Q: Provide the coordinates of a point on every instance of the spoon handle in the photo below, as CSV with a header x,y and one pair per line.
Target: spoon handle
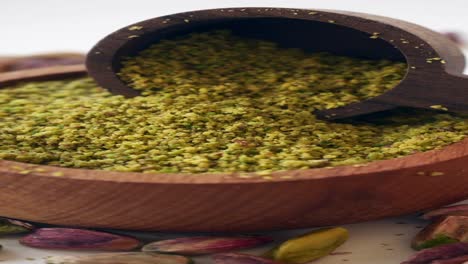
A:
x,y
40,74
445,93
355,109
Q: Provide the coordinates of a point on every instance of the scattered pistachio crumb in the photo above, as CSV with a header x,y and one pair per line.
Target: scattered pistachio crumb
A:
x,y
421,173
133,36
186,20
439,107
132,28
313,13
331,21
437,173
58,174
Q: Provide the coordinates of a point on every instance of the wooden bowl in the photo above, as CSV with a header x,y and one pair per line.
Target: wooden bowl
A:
x,y
227,202
8,64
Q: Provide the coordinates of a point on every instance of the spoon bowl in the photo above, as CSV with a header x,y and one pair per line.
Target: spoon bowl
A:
x,y
433,80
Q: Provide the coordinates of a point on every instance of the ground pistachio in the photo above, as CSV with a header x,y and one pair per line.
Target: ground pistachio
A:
x,y
310,246
205,244
78,239
119,258
9,226
216,102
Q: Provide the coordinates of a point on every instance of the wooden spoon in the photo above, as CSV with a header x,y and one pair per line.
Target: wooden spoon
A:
x,y
430,56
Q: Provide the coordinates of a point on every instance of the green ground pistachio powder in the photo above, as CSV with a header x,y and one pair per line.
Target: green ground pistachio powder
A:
x,y
214,102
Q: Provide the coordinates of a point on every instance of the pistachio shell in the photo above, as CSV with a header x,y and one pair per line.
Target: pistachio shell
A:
x,y
9,226
461,209
69,238
235,258
119,258
205,244
443,252
445,230
457,260
310,246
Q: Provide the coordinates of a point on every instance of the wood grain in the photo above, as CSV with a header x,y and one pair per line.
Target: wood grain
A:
x,y
38,74
14,63
224,201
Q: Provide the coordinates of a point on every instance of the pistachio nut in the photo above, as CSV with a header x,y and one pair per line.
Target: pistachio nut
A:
x,y
235,258
9,226
310,246
444,252
119,258
444,230
205,244
78,239
461,209
457,260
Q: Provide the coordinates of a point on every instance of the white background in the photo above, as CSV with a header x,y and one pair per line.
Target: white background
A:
x,y
28,26
32,26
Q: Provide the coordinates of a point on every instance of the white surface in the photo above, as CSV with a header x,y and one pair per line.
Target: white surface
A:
x,y
31,26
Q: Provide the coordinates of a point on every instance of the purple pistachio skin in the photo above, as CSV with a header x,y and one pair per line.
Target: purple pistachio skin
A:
x,y
443,252
205,244
461,209
119,258
235,258
457,260
78,239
